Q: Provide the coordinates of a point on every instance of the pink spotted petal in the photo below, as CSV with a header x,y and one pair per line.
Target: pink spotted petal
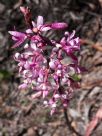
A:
x,y
63,41
29,31
52,111
59,25
14,38
36,38
17,34
45,93
39,20
72,34
52,65
17,56
46,28
23,86
17,44
33,23
23,9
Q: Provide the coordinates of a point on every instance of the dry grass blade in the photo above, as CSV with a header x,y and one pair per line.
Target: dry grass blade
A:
x,y
94,122
97,45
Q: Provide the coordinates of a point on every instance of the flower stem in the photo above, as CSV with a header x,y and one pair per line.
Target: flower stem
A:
x,y
68,122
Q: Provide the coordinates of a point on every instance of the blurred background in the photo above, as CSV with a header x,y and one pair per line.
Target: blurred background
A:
x,y
19,116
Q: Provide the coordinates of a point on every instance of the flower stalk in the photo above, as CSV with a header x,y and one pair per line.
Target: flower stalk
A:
x,y
68,122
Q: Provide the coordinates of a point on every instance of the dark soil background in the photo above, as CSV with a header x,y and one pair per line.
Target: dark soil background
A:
x,y
19,115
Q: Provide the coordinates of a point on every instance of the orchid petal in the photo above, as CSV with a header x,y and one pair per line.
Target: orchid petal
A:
x,y
17,34
14,38
45,28
23,86
72,34
33,23
23,9
29,31
39,20
18,43
59,25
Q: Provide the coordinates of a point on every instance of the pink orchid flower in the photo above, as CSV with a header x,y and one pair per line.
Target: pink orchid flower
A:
x,y
42,64
18,37
40,26
69,43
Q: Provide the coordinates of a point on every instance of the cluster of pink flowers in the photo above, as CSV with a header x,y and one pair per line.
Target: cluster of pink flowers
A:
x,y
45,65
